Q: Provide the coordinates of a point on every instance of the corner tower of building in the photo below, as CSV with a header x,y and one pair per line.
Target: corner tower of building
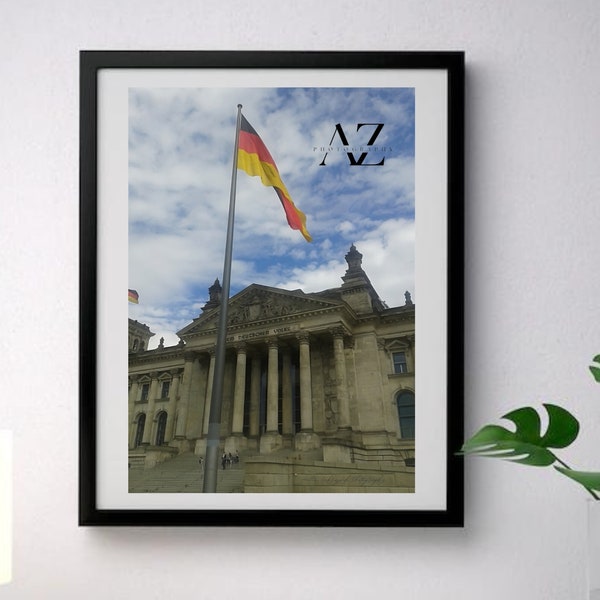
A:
x,y
357,290
139,336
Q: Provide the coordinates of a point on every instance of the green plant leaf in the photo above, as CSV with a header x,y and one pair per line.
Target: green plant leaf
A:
x,y
526,445
563,427
595,369
590,480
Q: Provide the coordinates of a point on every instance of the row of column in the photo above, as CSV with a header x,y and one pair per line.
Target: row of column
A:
x,y
306,415
239,394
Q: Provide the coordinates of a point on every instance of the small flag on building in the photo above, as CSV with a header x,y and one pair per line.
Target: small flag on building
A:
x,y
254,158
134,297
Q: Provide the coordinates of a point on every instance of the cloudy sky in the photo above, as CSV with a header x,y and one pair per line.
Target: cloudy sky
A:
x,y
181,146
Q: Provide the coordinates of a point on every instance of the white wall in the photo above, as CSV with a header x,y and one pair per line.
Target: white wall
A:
x,y
533,205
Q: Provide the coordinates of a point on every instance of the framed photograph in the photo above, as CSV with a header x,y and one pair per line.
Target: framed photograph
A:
x,y
288,228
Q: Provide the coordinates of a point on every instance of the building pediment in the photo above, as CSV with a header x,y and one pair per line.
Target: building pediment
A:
x,y
257,304
398,344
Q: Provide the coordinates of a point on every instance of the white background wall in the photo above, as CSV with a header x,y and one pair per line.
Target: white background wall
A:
x,y
533,284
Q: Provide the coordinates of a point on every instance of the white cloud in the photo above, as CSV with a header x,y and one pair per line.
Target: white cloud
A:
x,y
345,227
388,261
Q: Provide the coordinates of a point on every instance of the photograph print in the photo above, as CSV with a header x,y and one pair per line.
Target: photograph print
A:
x,y
308,386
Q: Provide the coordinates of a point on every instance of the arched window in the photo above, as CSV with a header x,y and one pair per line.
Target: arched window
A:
x,y
139,432
405,402
161,427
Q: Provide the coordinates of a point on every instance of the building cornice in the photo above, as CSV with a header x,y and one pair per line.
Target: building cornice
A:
x,y
152,356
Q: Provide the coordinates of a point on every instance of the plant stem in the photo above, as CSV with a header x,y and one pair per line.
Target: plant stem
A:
x,y
566,466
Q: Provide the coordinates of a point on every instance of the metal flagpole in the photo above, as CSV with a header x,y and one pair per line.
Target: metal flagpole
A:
x,y
216,400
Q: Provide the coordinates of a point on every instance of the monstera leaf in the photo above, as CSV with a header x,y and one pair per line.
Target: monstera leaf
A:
x,y
595,369
588,479
526,444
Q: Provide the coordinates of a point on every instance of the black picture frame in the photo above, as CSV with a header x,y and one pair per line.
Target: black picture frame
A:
x,y
92,63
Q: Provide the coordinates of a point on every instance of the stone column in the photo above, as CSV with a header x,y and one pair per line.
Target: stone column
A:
x,y
146,439
172,407
272,440
306,418
340,377
273,388
204,398
286,393
239,392
255,398
209,387
236,441
306,439
133,393
189,358
410,355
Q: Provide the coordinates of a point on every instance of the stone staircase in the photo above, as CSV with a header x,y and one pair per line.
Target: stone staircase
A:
x,y
183,474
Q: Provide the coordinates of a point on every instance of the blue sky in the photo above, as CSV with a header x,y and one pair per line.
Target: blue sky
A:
x,y
181,145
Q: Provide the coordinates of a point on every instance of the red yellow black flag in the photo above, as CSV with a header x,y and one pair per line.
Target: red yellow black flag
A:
x,y
254,158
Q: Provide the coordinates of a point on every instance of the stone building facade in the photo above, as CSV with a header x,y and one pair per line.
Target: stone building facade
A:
x,y
325,379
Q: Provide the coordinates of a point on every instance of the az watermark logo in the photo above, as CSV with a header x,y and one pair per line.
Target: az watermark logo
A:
x,y
360,149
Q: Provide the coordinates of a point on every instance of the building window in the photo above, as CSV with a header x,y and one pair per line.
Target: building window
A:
x,y
135,345
399,362
145,392
161,428
405,402
139,432
164,390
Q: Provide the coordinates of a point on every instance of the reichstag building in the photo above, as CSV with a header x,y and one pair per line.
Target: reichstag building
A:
x,y
319,391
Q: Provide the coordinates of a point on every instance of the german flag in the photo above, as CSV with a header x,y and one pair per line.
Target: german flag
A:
x,y
134,297
254,158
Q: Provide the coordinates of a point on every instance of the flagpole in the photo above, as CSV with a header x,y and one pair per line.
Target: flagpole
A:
x,y
214,422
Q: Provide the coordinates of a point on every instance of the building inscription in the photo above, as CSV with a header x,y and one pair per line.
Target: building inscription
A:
x,y
262,333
